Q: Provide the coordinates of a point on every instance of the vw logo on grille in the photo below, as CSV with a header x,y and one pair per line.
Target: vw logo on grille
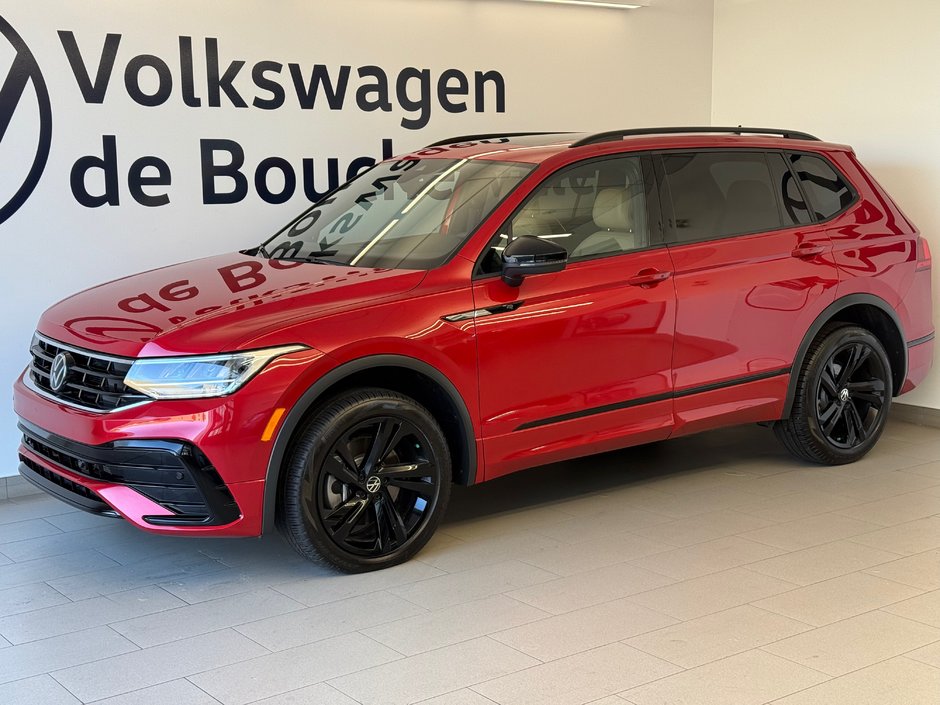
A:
x,y
59,371
373,484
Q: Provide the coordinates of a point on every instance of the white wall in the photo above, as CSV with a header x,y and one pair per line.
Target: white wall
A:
x,y
564,68
862,72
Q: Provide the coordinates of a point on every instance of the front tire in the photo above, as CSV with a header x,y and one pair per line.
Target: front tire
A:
x,y
842,399
366,483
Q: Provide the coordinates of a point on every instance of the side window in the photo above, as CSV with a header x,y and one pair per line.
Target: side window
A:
x,y
826,189
793,206
592,210
717,194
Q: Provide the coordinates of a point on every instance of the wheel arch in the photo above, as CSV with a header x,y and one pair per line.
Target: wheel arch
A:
x,y
870,312
407,375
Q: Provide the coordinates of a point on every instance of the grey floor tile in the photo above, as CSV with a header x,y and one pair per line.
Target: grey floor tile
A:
x,y
28,598
751,678
147,667
119,578
38,690
432,673
191,620
709,557
907,538
336,586
76,616
610,550
811,531
855,643
324,621
923,608
812,565
922,570
590,588
895,682
63,542
717,636
31,507
28,529
570,633
839,598
704,527
454,588
176,692
48,655
450,625
55,568
18,487
578,679
711,593
319,694
601,523
895,510
279,672
464,696
77,521
464,555
197,587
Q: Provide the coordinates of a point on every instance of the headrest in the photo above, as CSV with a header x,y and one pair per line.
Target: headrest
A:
x,y
612,210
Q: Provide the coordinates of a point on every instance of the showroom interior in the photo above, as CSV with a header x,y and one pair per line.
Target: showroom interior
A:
x,y
712,568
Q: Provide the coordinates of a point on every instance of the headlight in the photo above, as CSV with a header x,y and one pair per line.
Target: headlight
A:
x,y
198,377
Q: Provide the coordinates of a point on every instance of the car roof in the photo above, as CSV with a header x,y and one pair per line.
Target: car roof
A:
x,y
535,148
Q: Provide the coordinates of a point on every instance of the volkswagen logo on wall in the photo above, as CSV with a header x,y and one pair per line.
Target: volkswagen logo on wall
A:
x,y
59,371
25,122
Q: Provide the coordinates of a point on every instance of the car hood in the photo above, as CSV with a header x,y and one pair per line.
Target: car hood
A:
x,y
216,304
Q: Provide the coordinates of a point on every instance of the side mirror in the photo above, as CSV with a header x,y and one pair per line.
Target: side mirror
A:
x,y
531,255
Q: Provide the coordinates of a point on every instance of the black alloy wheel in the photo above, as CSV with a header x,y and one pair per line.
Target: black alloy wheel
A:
x,y
842,398
367,482
850,395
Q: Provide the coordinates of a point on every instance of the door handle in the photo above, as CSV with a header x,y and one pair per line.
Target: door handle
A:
x,y
808,250
647,278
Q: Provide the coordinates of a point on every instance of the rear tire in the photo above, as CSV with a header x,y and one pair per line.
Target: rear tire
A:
x,y
366,483
842,398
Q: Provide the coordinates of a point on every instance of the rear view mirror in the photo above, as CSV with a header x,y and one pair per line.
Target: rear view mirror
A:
x,y
528,255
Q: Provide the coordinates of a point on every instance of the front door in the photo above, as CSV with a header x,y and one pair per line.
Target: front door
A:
x,y
578,361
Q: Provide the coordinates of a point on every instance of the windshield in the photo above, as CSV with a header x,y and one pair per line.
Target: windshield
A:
x,y
409,214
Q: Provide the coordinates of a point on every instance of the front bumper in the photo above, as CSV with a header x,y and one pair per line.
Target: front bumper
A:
x,y
169,467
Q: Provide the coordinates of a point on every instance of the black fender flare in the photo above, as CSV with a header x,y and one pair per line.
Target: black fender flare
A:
x,y
338,374
828,314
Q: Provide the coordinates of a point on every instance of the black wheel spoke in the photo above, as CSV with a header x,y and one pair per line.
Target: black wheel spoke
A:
x,y
381,527
395,519
829,383
830,417
388,433
419,468
871,391
339,468
342,451
349,515
855,422
422,489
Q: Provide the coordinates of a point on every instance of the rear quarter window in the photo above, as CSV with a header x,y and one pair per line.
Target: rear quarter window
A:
x,y
828,191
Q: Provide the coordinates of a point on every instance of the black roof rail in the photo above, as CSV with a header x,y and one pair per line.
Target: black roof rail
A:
x,y
490,136
619,134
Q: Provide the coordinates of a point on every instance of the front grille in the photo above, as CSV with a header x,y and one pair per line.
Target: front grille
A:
x,y
93,381
174,474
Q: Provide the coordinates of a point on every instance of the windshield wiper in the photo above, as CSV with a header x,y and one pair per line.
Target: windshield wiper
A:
x,y
259,250
319,257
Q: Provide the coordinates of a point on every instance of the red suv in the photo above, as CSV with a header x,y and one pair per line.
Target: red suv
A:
x,y
483,305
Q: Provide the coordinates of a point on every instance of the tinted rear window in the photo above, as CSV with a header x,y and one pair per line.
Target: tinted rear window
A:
x,y
717,194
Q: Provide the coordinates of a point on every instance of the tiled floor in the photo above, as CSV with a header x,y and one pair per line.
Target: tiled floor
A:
x,y
711,570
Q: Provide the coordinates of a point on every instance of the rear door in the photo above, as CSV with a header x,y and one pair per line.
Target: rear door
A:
x,y
752,272
578,361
